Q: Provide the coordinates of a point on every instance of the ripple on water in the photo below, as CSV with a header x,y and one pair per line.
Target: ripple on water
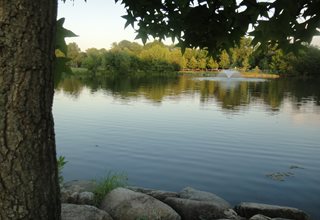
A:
x,y
183,141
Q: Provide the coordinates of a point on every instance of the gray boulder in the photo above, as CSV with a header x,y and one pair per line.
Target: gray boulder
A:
x,y
198,210
158,194
86,198
193,194
83,198
82,212
125,204
65,195
78,192
248,210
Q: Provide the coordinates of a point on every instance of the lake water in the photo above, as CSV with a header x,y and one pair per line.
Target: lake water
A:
x,y
244,140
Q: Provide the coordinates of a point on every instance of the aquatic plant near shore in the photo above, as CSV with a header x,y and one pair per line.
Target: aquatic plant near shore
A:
x,y
108,183
61,161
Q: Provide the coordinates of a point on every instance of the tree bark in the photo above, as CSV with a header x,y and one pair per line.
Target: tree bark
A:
x,y
28,169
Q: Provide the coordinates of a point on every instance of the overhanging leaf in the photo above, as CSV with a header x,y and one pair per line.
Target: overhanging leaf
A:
x,y
61,34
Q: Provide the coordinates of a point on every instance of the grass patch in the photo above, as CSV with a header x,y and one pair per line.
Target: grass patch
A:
x,y
198,73
61,161
108,183
257,73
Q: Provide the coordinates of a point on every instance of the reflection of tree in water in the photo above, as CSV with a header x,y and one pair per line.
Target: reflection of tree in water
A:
x,y
71,86
231,96
304,90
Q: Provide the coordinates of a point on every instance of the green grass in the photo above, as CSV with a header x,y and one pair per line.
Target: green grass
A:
x,y
103,186
61,160
108,183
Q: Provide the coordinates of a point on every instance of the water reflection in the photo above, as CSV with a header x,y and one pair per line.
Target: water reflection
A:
x,y
229,95
268,150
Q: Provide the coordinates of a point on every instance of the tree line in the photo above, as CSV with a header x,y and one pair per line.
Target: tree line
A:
x,y
128,57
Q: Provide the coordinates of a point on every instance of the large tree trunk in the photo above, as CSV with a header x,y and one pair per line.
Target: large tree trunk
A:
x,y
28,173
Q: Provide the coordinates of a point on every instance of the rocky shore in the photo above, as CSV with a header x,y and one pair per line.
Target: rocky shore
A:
x,y
135,203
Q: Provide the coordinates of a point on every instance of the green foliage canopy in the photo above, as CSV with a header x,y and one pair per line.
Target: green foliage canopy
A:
x,y
75,54
219,24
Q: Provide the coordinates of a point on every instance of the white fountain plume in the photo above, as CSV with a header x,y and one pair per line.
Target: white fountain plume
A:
x,y
229,73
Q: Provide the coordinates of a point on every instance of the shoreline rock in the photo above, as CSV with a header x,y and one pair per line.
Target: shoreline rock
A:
x,y
125,204
82,212
249,209
132,203
158,194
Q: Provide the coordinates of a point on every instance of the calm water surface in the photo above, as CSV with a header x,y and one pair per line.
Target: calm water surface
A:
x,y
245,140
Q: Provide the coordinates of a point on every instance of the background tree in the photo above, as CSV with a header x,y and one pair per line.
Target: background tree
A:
x,y
155,52
75,54
127,46
188,54
212,64
201,56
261,57
308,62
278,62
120,62
224,62
192,64
177,59
202,63
240,54
93,60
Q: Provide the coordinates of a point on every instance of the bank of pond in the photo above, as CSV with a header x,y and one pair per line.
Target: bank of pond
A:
x,y
137,203
188,72
129,58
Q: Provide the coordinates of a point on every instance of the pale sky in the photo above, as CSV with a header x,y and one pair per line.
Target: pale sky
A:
x,y
98,23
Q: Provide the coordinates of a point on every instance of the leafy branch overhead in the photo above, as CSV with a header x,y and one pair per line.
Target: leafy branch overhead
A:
x,y
61,47
220,24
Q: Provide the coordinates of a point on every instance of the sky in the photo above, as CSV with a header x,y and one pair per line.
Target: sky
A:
x,y
98,23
